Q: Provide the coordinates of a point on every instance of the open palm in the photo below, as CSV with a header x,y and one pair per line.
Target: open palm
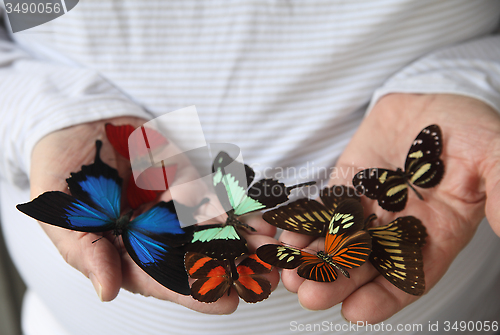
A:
x,y
106,262
450,211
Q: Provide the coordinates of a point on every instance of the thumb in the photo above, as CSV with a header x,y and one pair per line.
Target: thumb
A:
x,y
94,256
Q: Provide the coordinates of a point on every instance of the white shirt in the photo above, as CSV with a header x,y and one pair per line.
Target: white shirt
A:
x,y
287,81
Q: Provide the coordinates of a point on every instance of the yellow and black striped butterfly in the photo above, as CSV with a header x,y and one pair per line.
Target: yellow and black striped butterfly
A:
x,y
309,217
396,247
397,255
346,246
215,277
423,168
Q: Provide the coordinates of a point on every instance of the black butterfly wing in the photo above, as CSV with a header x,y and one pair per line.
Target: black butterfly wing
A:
x,y
333,196
302,216
218,241
212,277
250,286
280,255
423,165
63,210
396,253
153,240
388,187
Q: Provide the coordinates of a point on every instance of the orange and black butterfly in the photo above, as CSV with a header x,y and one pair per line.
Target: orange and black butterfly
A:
x,y
423,168
396,247
215,277
346,246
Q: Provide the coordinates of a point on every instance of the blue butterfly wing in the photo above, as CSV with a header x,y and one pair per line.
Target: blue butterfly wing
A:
x,y
98,184
63,210
94,205
154,240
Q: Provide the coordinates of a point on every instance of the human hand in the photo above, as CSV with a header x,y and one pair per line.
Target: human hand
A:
x,y
451,211
106,262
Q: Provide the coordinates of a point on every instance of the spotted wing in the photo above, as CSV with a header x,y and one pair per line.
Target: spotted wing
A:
x,y
396,253
303,216
345,242
310,266
281,256
250,286
388,187
423,165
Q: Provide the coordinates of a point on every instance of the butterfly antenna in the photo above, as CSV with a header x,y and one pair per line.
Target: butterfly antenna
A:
x,y
96,240
414,190
309,183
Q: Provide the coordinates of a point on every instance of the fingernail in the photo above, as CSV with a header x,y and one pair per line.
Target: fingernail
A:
x,y
96,284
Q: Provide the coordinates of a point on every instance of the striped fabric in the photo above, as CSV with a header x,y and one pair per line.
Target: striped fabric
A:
x,y
287,81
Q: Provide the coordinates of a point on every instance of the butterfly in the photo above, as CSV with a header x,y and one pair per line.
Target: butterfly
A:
x,y
346,246
397,253
214,278
423,168
396,247
152,239
307,216
119,137
232,181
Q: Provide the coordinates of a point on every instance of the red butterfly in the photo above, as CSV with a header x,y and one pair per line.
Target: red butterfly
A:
x,y
118,136
215,277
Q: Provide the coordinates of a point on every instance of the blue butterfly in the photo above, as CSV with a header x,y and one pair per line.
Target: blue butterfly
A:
x,y
153,239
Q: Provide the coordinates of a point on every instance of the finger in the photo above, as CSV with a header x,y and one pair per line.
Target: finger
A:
x,y
138,281
319,296
99,261
295,240
262,227
375,302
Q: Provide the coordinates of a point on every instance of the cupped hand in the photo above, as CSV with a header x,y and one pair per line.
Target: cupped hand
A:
x,y
106,262
451,211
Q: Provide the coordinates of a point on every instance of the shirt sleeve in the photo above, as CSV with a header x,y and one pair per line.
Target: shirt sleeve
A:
x,y
38,97
470,69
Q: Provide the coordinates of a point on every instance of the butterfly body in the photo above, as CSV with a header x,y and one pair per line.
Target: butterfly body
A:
x,y
153,239
423,168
